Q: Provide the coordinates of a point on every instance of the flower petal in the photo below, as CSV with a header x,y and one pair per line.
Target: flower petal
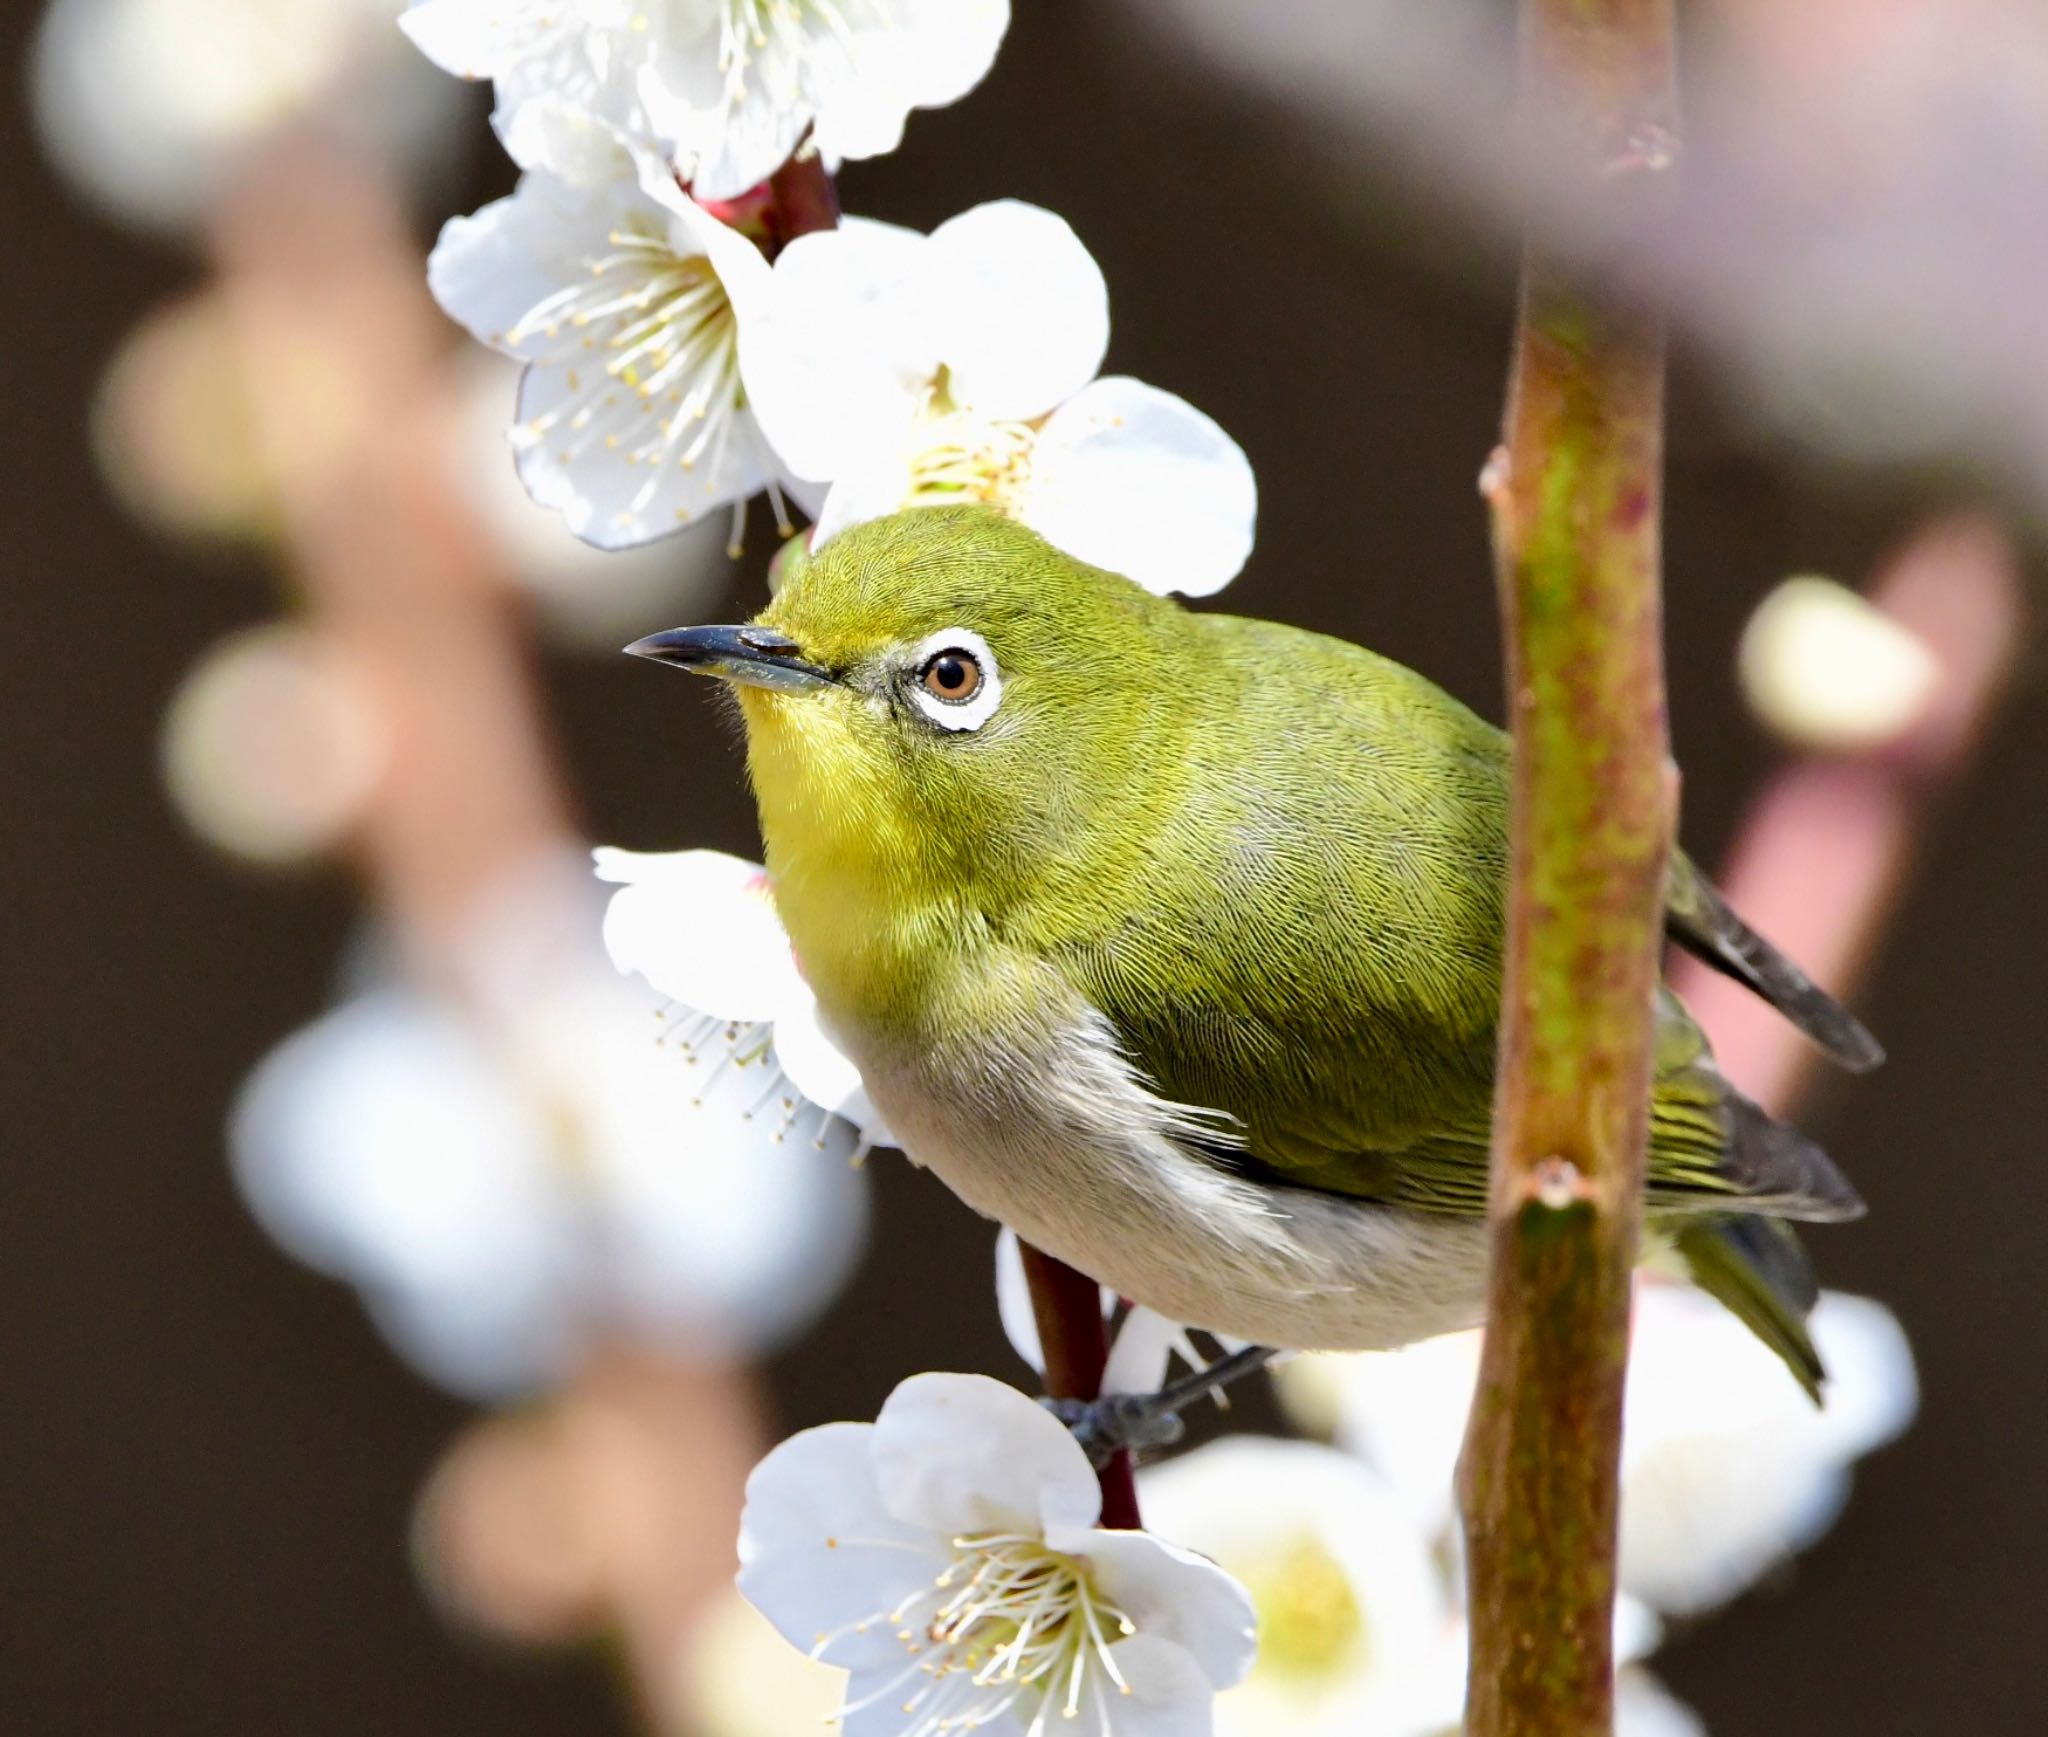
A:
x,y
821,1070
875,1704
1014,1307
924,54
963,1454
486,1345
1142,1351
1177,1596
819,1553
575,54
616,481
1135,480
469,40
490,270
1018,308
701,927
873,489
741,268
1402,1412
835,358
1170,1694
1873,1390
728,138
568,140
726,1214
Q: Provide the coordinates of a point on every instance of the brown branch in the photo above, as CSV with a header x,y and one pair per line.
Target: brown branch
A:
x,y
1575,497
1075,1342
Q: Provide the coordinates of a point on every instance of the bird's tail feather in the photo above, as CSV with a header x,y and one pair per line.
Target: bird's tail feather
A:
x,y
1755,1268
1777,1169
1702,922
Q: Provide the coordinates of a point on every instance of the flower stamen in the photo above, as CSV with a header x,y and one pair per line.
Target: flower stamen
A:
x,y
1007,1614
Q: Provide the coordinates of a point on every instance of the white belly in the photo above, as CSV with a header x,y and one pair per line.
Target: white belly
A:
x,y
1059,1139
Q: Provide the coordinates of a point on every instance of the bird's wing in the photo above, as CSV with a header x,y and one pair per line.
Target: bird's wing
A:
x,y
1711,1150
1318,952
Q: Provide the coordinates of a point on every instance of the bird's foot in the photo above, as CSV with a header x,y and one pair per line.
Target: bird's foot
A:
x,y
1141,1422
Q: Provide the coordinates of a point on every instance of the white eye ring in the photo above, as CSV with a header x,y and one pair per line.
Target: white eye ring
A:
x,y
980,705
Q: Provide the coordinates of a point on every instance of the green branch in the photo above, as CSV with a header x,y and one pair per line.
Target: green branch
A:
x,y
1574,491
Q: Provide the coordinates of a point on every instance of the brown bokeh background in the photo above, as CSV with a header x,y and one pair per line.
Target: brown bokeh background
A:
x,y
207,1458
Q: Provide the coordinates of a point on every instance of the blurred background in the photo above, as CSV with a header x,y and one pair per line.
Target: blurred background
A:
x,y
212,1462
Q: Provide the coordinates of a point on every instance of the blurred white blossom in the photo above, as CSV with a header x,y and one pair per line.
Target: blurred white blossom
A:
x,y
909,370
508,1194
948,1557
145,104
1643,1707
1726,1467
1829,670
701,928
1357,1624
625,299
740,1678
271,748
1357,1589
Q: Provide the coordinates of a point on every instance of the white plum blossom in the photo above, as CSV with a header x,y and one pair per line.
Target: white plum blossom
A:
x,y
508,1195
582,53
907,370
728,90
624,298
1726,1467
732,87
701,928
948,1557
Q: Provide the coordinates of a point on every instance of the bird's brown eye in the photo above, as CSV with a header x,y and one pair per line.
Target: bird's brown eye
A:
x,y
952,676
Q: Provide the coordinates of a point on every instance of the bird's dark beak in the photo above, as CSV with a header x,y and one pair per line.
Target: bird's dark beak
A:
x,y
758,656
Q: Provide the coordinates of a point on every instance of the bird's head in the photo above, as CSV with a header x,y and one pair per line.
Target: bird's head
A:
x,y
939,704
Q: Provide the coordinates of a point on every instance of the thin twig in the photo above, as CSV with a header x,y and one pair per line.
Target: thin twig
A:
x,y
804,197
1575,497
1075,1340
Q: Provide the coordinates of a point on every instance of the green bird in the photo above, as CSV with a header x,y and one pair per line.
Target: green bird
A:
x,y
1173,941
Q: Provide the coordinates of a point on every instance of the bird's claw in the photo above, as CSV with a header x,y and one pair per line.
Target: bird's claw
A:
x,y
1105,1427
1140,1422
